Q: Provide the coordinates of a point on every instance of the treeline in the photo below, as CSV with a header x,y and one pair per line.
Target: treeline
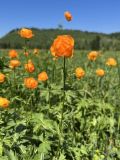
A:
x,y
44,37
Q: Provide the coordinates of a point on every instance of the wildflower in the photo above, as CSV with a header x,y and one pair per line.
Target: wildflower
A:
x,y
26,33
63,46
100,72
93,55
68,16
2,78
4,103
26,54
111,62
79,72
42,76
36,51
14,63
13,53
29,67
30,83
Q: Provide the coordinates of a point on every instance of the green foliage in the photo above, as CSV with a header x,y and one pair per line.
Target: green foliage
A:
x,y
30,129
44,38
95,44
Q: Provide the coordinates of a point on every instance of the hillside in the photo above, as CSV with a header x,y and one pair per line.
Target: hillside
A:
x,y
44,37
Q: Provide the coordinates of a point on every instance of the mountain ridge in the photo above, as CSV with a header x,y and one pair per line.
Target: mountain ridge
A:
x,y
44,37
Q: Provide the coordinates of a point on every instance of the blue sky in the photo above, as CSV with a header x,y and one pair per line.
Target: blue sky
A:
x,y
90,15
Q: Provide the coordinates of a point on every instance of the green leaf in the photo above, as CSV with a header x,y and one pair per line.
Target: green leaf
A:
x,y
1,148
44,147
83,150
62,157
11,155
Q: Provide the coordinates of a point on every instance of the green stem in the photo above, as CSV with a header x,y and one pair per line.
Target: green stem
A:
x,y
119,73
64,81
49,99
14,79
53,76
73,130
62,110
100,86
64,73
26,49
49,92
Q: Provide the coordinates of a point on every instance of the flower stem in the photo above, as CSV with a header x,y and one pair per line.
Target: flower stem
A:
x,y
53,73
14,79
62,110
64,88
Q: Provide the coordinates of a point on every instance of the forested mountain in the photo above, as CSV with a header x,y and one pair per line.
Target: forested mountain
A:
x,y
44,37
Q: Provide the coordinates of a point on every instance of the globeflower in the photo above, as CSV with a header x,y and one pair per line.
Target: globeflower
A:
x,y
13,53
2,77
100,72
4,103
111,62
30,83
63,46
26,33
79,72
36,51
29,67
43,76
68,16
93,55
14,63
26,54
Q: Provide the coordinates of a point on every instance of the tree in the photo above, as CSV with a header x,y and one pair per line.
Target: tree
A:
x,y
60,26
95,44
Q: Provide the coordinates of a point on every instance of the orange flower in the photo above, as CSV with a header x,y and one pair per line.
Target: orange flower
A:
x,y
42,76
30,83
13,53
79,72
68,16
14,63
63,45
2,78
111,62
4,103
29,67
26,54
36,51
100,72
93,55
26,33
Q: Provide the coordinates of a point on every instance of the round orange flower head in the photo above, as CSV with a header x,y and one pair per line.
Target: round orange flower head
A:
x,y
92,56
13,53
2,78
100,72
26,33
29,67
36,51
4,103
79,72
26,54
68,16
63,46
43,76
30,83
111,62
14,63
